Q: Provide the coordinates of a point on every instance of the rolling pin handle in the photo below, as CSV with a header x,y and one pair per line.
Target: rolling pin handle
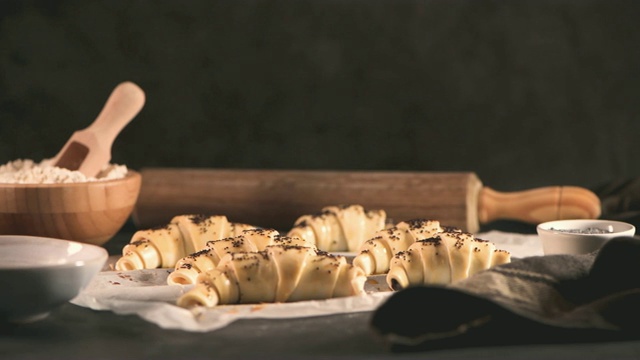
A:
x,y
538,205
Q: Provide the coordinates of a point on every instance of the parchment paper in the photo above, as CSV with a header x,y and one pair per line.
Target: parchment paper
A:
x,y
145,293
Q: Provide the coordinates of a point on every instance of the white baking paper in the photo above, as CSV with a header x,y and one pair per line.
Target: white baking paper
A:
x,y
519,245
145,293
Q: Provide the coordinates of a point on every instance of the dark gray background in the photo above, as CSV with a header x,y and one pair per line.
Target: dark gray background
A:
x,y
525,93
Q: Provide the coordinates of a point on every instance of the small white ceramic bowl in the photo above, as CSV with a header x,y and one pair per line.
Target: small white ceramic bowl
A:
x,y
38,274
580,236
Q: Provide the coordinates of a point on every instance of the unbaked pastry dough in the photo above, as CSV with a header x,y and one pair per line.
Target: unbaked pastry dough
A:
x,y
189,267
375,254
280,273
339,228
445,258
162,247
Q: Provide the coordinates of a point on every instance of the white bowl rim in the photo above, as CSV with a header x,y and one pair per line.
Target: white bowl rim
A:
x,y
622,227
98,253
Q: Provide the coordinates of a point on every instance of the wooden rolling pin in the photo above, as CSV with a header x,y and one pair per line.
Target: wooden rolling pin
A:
x,y
276,198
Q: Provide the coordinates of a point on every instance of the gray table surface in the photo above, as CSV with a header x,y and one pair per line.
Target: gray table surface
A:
x,y
74,332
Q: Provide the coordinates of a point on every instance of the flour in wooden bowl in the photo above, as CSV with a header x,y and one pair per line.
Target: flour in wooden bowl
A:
x,y
27,171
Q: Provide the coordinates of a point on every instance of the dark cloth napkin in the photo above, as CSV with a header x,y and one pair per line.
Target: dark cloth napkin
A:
x,y
620,200
542,299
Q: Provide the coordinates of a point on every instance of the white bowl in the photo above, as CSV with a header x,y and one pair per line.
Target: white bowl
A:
x,y
580,236
38,274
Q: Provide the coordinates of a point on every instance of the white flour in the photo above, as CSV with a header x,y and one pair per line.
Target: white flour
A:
x,y
26,171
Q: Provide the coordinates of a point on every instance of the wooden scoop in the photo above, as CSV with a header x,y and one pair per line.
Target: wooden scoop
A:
x,y
89,150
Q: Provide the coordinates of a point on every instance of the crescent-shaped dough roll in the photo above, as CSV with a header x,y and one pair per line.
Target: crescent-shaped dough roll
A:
x,y
289,261
461,246
375,254
486,255
321,269
339,228
162,247
187,269
152,248
222,284
445,258
197,229
280,273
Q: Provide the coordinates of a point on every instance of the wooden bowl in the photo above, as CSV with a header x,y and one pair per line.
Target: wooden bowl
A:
x,y
88,212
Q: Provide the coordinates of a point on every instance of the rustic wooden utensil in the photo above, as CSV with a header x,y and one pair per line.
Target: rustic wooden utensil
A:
x,y
91,212
276,198
89,150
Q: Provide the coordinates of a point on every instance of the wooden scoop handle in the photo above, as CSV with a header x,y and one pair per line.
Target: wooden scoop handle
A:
x,y
538,205
124,103
89,149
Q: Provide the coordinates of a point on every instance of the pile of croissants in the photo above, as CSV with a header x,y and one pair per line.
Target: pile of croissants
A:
x,y
235,263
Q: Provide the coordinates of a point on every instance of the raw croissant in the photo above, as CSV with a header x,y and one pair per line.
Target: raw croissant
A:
x,y
162,247
376,253
189,267
445,258
339,228
280,273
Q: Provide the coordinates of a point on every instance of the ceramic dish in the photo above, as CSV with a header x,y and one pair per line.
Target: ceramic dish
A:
x,y
38,274
580,236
